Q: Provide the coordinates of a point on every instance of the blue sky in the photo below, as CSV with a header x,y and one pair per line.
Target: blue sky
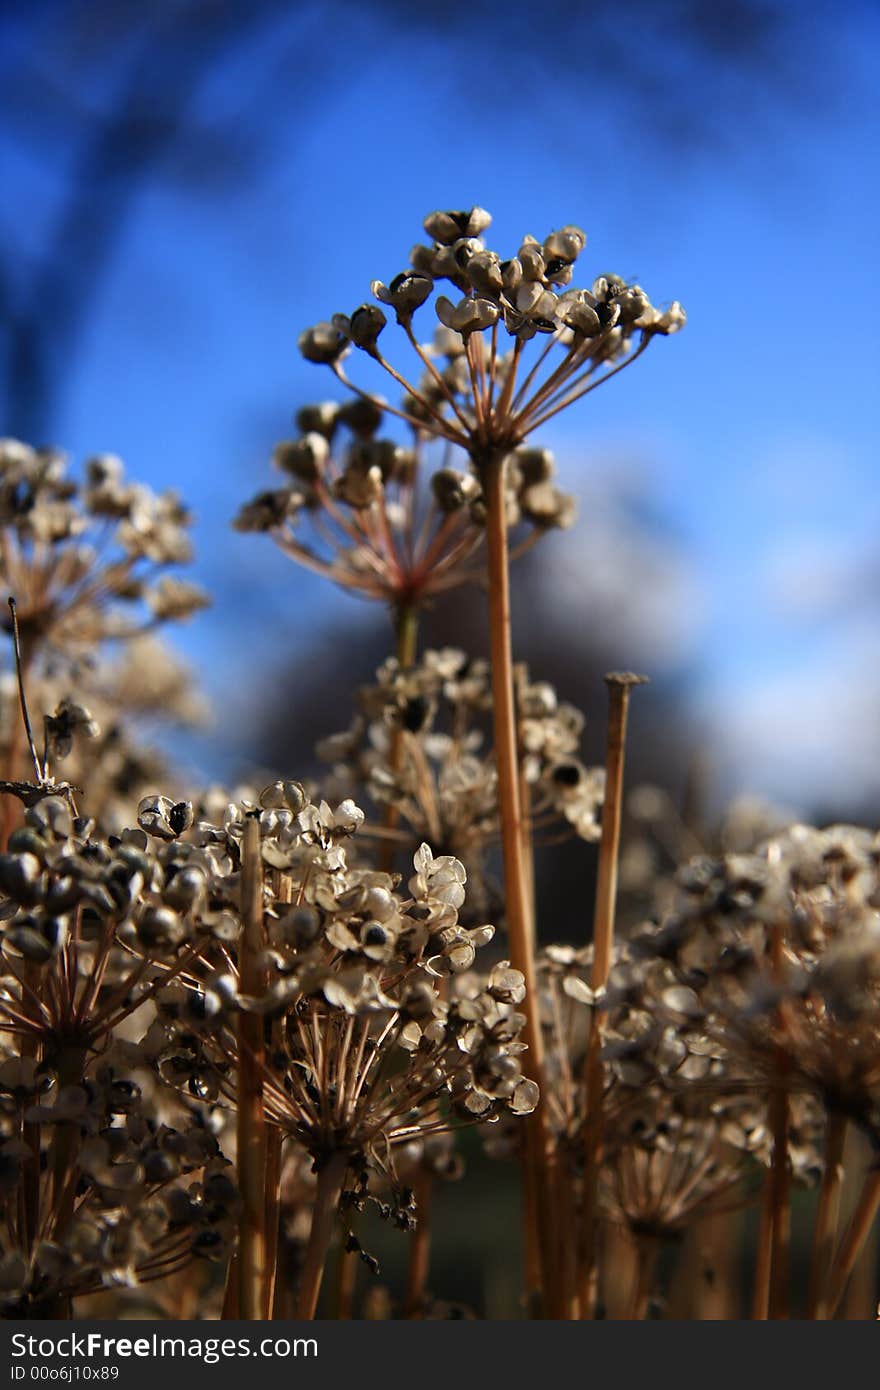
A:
x,y
752,432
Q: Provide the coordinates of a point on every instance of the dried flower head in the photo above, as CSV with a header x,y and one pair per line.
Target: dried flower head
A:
x,y
472,391
418,745
86,560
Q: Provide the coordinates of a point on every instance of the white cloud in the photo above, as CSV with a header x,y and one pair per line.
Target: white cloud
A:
x,y
810,730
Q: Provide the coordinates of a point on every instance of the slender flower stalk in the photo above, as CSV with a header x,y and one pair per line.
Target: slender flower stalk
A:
x,y
827,1214
538,1140
858,1231
647,1250
346,1282
252,1241
620,685
330,1179
487,403
772,1274
420,1249
780,1188
406,627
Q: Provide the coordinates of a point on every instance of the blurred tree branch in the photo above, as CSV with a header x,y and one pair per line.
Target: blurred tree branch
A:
x,y
117,151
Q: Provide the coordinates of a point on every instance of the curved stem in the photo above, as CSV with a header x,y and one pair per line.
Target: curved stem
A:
x,y
827,1215
853,1243
646,1260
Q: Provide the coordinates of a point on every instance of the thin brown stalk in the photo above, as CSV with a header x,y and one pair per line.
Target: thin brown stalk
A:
x,y
230,1294
503,406
780,1189
538,1137
329,1190
779,1176
860,1300
251,1126
531,1240
593,1086
65,1144
525,797
273,1214
827,1214
283,886
420,1249
63,1160
438,377
857,1233
647,1250
620,684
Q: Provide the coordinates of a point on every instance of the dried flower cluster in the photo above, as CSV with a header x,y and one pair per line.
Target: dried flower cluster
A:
x,y
471,391
418,745
360,510
133,943
235,1027
87,562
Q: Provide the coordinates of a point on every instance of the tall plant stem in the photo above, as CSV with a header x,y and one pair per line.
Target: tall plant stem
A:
x,y
420,1249
525,802
780,1189
853,1242
10,816
859,1303
827,1215
593,1088
65,1145
330,1178
273,1216
283,886
620,684
764,1255
770,1290
230,1293
647,1250
70,1068
251,1127
492,468
346,1280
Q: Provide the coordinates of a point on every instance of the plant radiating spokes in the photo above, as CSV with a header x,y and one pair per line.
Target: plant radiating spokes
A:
x,y
266,964
486,401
